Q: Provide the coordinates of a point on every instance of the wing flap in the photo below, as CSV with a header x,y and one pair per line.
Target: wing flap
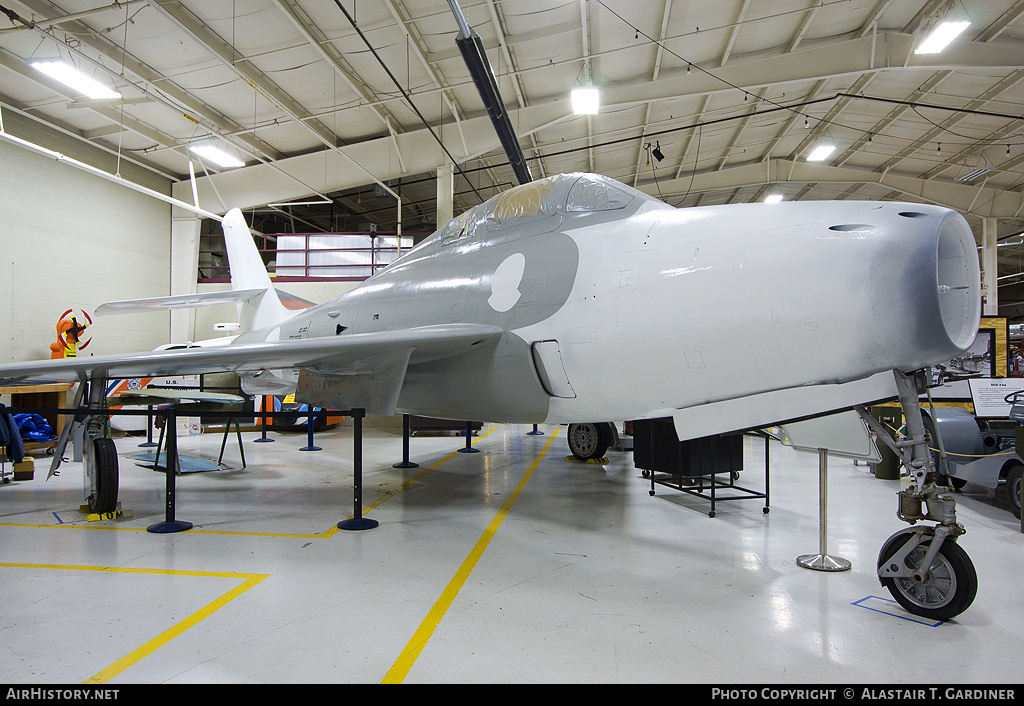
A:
x,y
372,384
333,355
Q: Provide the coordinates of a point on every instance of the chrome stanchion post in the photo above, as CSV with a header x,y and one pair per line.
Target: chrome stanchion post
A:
x,y
822,561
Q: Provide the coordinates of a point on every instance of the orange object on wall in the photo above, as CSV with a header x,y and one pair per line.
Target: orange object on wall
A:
x,y
69,335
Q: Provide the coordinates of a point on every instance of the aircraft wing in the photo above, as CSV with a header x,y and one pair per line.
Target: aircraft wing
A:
x,y
344,355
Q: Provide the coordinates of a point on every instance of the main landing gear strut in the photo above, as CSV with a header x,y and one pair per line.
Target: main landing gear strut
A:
x,y
99,456
923,567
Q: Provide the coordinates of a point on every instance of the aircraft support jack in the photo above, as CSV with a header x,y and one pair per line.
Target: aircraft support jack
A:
x,y
468,448
357,521
170,524
822,561
310,422
923,567
405,462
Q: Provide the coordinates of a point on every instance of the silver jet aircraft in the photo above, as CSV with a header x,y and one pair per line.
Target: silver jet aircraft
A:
x,y
578,300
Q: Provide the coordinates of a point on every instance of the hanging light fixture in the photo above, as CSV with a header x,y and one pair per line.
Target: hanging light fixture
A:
x,y
586,99
821,152
73,78
216,155
941,36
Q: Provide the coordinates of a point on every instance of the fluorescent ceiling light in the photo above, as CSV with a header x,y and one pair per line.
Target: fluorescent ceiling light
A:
x,y
72,77
941,36
216,156
585,100
773,198
820,153
321,202
971,176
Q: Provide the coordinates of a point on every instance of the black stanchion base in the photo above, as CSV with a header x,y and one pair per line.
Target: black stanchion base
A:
x,y
311,448
168,527
262,440
406,464
358,523
468,450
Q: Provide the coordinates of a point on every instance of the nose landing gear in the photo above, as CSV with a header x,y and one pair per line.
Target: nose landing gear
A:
x,y
924,568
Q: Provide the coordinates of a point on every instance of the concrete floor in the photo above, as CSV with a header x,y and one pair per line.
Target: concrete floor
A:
x,y
505,566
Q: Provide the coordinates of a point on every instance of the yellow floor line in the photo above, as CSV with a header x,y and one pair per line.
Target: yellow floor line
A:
x,y
400,669
166,636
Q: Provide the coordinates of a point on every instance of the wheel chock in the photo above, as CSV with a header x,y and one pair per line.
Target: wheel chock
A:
x,y
116,514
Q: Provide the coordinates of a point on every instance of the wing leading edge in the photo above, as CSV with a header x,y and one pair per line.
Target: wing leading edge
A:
x,y
372,365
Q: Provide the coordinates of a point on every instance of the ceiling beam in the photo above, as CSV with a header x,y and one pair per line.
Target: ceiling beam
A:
x,y
243,67
147,80
979,201
258,184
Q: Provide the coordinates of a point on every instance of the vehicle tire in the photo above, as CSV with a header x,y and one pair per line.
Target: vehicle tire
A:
x,y
1013,476
589,441
948,592
103,476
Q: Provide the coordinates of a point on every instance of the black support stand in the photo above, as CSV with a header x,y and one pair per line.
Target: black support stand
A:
x,y
357,521
148,443
468,448
405,463
170,471
310,421
264,439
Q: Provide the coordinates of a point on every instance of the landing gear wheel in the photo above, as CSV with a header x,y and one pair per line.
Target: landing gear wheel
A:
x,y
102,476
1013,476
590,440
949,588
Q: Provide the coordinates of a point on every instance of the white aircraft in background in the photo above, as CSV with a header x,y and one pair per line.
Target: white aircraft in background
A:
x,y
576,299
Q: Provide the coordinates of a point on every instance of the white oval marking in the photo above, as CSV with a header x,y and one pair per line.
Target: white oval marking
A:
x,y
505,282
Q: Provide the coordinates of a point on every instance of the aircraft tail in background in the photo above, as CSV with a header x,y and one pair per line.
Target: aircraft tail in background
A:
x,y
248,274
259,304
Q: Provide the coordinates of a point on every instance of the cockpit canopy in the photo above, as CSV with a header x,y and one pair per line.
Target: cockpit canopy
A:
x,y
543,203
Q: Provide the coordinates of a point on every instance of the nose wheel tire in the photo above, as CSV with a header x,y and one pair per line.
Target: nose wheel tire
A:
x,y
590,440
948,587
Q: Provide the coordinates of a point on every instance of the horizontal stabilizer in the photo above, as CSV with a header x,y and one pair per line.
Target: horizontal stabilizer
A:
x,y
181,301
780,406
161,395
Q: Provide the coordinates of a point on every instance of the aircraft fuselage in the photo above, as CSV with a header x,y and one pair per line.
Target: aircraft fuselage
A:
x,y
634,309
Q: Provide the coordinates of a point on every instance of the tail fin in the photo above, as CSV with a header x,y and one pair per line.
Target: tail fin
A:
x,y
248,272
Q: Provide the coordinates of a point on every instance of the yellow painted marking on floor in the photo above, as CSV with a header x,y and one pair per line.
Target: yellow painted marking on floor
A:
x,y
166,636
400,669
